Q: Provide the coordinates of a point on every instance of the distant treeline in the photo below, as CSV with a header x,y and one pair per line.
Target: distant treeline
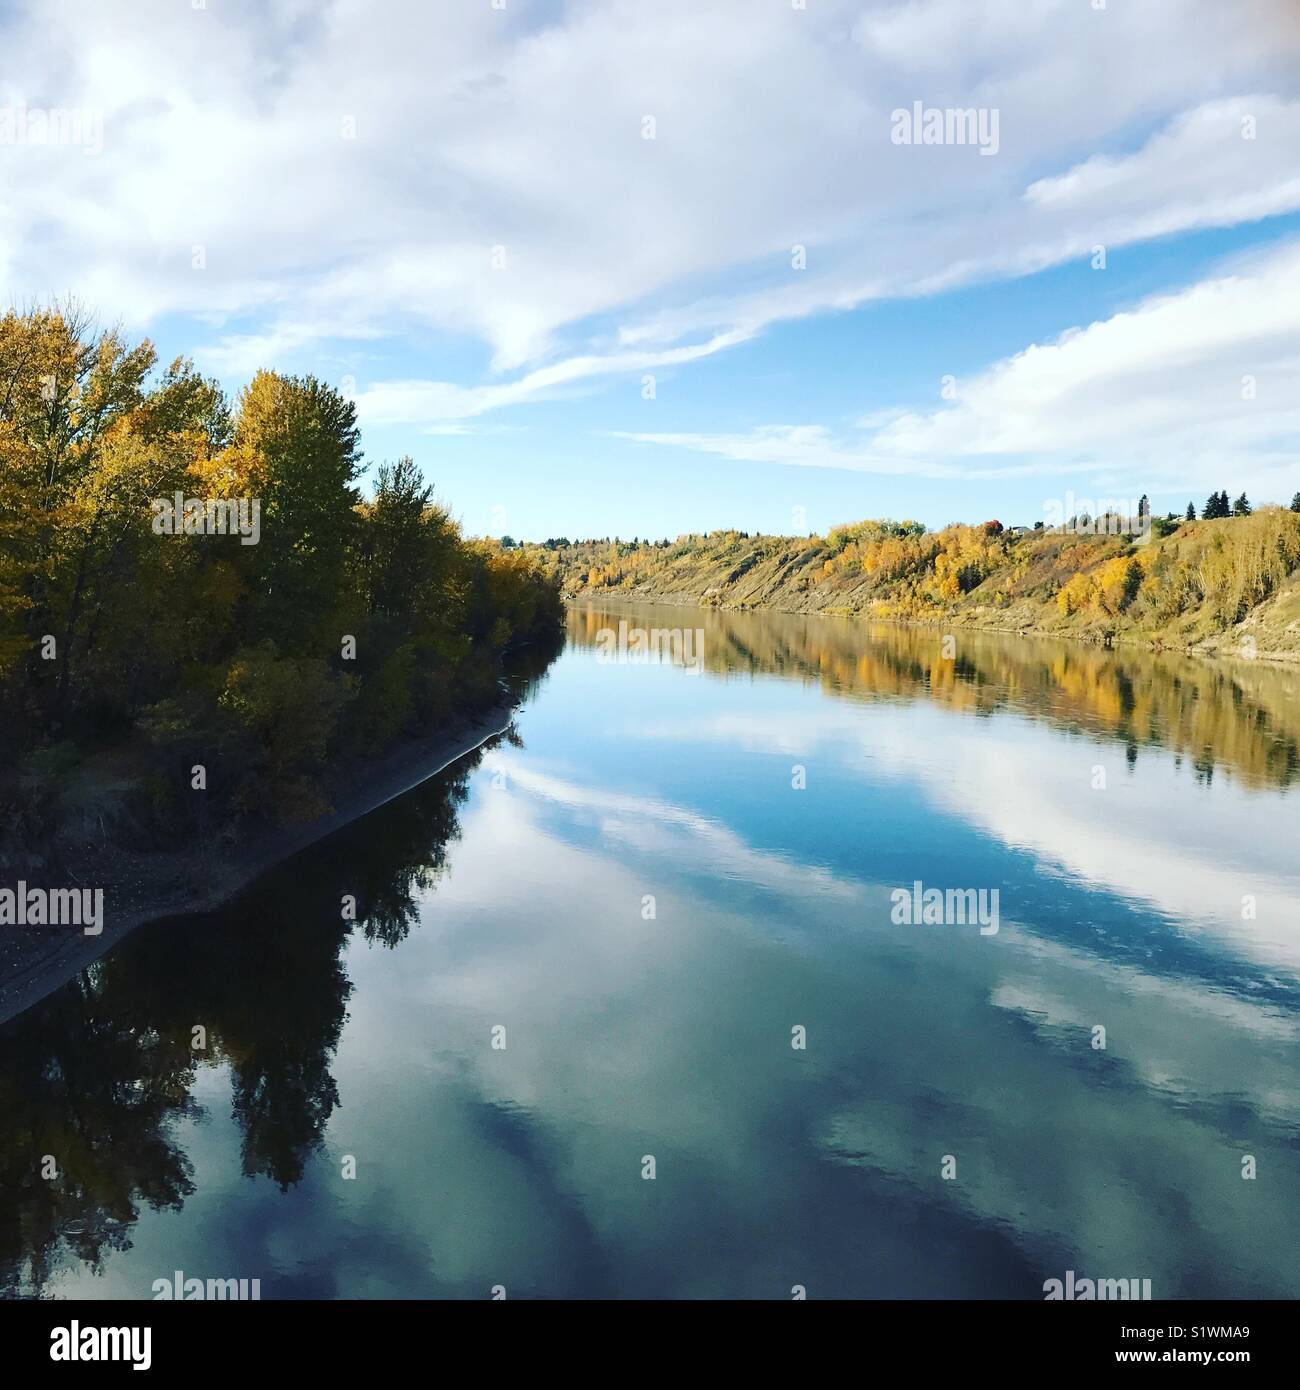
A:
x,y
188,581
1180,582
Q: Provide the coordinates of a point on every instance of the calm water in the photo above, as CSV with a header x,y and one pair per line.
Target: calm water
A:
x,y
1138,816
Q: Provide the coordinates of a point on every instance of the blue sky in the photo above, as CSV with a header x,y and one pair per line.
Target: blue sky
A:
x,y
454,213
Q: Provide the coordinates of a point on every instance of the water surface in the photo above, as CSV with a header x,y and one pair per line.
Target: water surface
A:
x,y
594,942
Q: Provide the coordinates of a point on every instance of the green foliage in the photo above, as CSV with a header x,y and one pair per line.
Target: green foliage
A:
x,y
117,630
287,708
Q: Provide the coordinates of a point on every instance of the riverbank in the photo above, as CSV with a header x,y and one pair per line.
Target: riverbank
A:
x,y
1231,646
145,887
1222,588
1207,651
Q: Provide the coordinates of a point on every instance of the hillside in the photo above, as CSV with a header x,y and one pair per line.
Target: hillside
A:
x,y
1228,586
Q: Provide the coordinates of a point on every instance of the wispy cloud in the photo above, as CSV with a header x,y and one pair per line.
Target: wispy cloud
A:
x,y
1181,387
339,186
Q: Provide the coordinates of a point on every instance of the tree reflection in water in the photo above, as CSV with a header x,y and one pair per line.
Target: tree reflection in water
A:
x,y
98,1075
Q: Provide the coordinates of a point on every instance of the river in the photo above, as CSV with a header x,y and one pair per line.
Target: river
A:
x,y
634,1004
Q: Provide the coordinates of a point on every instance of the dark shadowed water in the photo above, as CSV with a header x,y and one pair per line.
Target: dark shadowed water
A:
x,y
657,922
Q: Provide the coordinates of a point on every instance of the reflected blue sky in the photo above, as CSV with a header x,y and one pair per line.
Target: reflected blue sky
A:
x,y
670,1036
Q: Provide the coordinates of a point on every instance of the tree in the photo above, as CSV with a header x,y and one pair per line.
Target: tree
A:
x,y
1295,503
1116,585
84,446
269,650
1191,511
1076,594
300,441
391,550
1242,507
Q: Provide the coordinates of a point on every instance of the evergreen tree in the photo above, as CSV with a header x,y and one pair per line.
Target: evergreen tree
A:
x,y
1295,503
1191,510
1242,507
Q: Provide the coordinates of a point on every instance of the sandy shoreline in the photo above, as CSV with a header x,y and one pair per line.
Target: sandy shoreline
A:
x,y
34,962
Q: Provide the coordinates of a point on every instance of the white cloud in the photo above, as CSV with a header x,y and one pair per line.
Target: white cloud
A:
x,y
1188,865
1183,388
475,128
1166,386
691,840
405,402
814,446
